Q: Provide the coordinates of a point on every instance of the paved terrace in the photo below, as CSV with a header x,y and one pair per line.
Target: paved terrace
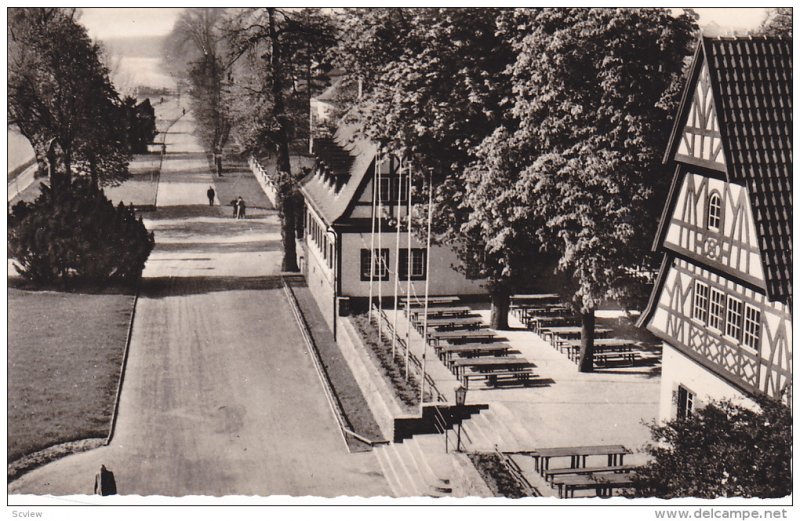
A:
x,y
563,407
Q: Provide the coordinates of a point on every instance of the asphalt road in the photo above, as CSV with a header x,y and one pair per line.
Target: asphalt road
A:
x,y
220,396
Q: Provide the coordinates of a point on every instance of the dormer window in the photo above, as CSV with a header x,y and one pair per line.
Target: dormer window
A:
x,y
714,212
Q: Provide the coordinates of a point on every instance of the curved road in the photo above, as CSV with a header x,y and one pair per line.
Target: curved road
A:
x,y
220,396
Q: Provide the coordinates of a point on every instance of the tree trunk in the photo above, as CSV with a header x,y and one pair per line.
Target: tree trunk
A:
x,y
501,300
586,364
218,163
286,187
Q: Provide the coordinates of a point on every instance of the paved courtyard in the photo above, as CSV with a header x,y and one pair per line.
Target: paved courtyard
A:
x,y
220,396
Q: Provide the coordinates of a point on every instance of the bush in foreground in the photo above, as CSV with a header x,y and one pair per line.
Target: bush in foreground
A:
x,y
722,450
75,234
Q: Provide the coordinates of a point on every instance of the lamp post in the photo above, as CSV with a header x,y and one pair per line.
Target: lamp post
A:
x,y
461,398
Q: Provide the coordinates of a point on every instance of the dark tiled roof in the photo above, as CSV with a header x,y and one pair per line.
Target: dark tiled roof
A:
x,y
345,160
752,82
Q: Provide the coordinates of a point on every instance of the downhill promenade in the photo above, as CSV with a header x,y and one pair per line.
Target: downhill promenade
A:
x,y
220,396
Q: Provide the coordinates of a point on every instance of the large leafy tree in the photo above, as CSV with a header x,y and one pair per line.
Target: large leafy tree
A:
x,y
276,58
61,98
777,23
435,85
721,450
197,53
595,91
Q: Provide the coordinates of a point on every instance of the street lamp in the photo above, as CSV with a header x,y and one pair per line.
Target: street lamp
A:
x,y
461,398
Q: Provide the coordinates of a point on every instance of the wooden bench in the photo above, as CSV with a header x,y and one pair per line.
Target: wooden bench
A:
x,y
549,474
432,301
603,485
492,378
468,335
625,355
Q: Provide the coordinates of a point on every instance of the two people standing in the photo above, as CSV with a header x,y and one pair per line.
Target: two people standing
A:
x,y
239,208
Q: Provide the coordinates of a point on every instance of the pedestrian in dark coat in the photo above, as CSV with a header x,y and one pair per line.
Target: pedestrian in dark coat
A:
x,y
242,208
104,482
210,193
235,204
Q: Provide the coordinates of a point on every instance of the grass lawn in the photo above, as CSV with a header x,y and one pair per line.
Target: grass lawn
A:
x,y
64,359
237,179
141,188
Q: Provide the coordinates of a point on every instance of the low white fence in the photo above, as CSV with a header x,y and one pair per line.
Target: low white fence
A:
x,y
264,180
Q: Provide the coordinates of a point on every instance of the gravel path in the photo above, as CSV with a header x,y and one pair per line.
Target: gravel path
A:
x,y
220,396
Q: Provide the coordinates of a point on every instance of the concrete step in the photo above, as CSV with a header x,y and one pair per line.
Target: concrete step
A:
x,y
523,436
437,484
413,482
503,438
476,439
389,472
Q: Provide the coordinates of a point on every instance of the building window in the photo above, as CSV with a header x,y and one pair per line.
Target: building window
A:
x,y
385,185
752,327
714,211
418,263
381,268
700,310
733,318
685,402
716,309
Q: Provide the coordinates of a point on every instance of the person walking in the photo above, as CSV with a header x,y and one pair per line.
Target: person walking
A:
x,y
210,193
104,482
241,208
235,204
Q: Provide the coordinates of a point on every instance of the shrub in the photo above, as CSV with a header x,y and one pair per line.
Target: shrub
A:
x,y
722,450
75,234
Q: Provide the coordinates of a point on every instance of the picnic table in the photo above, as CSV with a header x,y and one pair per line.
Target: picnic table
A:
x,y
454,311
491,367
538,297
461,336
526,311
472,350
414,302
536,323
455,323
566,332
578,455
603,347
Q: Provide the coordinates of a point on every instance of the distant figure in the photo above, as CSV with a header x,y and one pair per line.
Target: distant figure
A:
x,y
235,204
104,483
184,112
210,193
241,207
163,148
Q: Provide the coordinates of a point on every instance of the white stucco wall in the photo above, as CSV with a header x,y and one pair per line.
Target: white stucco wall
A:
x,y
444,279
678,369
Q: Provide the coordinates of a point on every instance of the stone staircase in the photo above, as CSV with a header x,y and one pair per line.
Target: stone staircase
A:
x,y
494,429
419,466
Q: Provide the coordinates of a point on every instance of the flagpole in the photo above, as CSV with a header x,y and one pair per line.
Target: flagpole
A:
x,y
397,255
408,270
427,289
372,240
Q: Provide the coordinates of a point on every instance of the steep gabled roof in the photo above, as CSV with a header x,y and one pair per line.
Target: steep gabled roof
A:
x,y
342,165
751,80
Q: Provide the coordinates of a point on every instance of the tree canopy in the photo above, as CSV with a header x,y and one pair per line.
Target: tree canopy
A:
x,y
722,450
777,23
61,98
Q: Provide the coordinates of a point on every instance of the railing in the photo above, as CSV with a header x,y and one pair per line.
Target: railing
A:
x,y
412,358
264,179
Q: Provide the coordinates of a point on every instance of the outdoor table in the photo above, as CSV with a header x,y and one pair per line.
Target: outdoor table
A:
x,y
578,455
484,364
573,346
569,332
534,297
454,311
538,322
455,323
468,350
467,334
432,301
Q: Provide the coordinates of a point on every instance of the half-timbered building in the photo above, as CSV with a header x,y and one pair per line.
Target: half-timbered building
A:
x,y
722,300
340,196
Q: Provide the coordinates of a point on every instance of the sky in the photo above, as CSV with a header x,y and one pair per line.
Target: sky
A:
x,y
143,21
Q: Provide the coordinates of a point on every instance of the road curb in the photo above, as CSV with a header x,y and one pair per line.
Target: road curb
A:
x,y
124,366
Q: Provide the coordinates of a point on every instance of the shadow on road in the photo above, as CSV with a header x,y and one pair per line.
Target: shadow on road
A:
x,y
203,210
218,247
160,287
